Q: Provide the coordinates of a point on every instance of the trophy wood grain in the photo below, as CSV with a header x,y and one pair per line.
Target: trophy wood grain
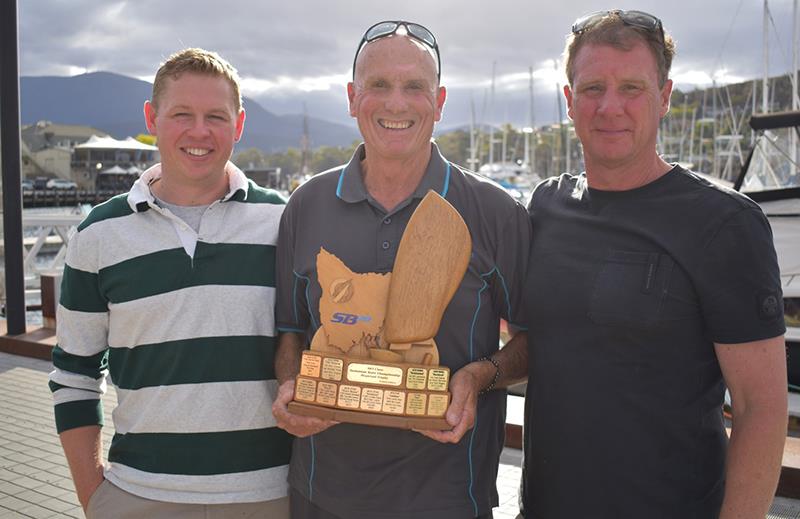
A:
x,y
347,293
431,261
360,417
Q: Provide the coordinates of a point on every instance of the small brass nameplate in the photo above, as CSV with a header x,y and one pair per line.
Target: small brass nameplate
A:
x,y
375,374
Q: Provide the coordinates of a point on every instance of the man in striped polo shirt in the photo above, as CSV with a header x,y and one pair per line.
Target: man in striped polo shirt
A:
x,y
169,290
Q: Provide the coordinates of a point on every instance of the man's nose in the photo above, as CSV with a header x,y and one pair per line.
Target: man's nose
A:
x,y
396,100
610,103
199,126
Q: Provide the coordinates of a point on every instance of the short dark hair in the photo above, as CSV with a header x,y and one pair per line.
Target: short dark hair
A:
x,y
611,30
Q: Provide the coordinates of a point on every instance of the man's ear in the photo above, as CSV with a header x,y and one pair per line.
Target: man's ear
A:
x,y
240,124
351,98
568,96
441,97
150,117
666,94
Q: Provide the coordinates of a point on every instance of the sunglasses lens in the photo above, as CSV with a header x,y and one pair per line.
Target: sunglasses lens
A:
x,y
380,30
584,22
421,33
635,18
640,19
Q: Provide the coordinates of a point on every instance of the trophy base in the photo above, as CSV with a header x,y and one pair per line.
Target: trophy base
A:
x,y
371,392
362,418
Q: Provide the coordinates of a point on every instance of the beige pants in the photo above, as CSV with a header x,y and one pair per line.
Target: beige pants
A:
x,y
111,502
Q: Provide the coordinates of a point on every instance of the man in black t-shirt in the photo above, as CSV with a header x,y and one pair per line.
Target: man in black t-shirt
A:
x,y
649,292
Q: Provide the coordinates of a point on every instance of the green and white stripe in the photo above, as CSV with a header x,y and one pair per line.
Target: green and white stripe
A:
x,y
188,341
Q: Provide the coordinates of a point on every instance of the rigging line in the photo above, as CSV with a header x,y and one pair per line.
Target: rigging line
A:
x,y
776,148
727,35
780,43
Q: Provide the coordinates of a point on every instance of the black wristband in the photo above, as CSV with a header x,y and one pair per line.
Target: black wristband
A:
x,y
496,374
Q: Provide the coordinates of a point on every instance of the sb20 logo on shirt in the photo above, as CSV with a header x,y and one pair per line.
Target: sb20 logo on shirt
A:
x,y
342,318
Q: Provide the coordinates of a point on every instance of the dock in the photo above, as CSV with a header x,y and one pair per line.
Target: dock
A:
x,y
35,481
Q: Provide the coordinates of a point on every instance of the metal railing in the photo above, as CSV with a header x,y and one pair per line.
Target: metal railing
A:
x,y
45,233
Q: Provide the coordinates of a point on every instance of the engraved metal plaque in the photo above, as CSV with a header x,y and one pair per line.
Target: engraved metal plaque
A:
x,y
372,392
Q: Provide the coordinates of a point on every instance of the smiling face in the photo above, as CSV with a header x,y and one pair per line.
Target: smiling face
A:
x,y
616,105
197,125
396,99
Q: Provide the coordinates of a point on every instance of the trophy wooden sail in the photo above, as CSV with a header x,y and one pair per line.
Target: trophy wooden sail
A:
x,y
373,360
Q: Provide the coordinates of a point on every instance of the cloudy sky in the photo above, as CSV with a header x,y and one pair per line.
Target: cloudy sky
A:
x,y
289,53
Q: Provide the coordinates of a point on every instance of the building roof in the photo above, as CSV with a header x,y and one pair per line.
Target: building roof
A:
x,y
45,134
110,143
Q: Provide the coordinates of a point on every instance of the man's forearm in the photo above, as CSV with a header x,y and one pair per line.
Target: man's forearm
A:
x,y
287,356
753,463
513,360
83,447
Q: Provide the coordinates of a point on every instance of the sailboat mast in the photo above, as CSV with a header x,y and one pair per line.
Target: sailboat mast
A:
x,y
532,148
795,100
765,80
491,116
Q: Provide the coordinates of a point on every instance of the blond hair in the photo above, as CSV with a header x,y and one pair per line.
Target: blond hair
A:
x,y
196,61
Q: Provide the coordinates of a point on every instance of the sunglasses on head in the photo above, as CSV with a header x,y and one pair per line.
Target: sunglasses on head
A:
x,y
638,19
414,30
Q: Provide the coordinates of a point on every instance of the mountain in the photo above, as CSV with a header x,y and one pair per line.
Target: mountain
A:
x,y
113,103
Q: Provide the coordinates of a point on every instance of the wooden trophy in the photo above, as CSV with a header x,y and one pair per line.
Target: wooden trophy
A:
x,y
373,360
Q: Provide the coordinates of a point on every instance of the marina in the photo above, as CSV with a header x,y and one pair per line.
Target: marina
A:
x,y
66,169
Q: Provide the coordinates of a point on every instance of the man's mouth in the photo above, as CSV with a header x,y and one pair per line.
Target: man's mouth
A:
x,y
395,125
197,152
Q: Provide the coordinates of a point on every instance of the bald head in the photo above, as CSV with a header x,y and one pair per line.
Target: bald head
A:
x,y
403,53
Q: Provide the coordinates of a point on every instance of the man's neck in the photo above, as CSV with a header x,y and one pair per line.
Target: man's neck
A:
x,y
390,182
187,194
624,177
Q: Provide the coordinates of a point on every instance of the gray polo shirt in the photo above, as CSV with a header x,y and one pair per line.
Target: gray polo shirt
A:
x,y
361,471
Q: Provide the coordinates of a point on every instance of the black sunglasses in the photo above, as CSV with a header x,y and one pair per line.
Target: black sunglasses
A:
x,y
414,30
638,19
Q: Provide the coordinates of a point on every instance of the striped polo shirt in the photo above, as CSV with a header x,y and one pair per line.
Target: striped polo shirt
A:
x,y
182,323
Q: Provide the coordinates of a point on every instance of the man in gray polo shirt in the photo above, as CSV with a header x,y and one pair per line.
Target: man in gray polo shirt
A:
x,y
359,212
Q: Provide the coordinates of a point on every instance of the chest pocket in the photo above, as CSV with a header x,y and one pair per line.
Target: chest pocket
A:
x,y
630,289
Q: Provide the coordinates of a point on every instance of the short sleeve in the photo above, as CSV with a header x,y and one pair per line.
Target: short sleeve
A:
x,y
739,281
512,263
291,315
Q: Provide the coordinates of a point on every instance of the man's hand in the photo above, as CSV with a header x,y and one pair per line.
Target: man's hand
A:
x,y
475,376
83,448
464,388
297,425
87,489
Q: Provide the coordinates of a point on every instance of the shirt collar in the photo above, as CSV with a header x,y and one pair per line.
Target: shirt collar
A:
x,y
140,198
351,188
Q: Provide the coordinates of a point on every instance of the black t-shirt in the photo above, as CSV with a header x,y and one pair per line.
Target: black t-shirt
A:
x,y
627,292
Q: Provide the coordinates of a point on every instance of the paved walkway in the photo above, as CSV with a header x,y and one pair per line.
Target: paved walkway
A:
x,y
35,481
34,478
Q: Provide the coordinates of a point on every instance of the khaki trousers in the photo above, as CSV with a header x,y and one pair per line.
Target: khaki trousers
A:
x,y
111,502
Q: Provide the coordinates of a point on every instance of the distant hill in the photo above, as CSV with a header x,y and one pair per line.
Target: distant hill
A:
x,y
113,102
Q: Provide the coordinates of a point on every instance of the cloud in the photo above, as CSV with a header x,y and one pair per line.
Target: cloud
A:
x,y
291,52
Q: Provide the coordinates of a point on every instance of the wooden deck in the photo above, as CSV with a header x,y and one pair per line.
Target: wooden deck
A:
x,y
38,343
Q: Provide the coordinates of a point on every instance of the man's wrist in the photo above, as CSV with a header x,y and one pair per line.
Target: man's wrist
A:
x,y
491,385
